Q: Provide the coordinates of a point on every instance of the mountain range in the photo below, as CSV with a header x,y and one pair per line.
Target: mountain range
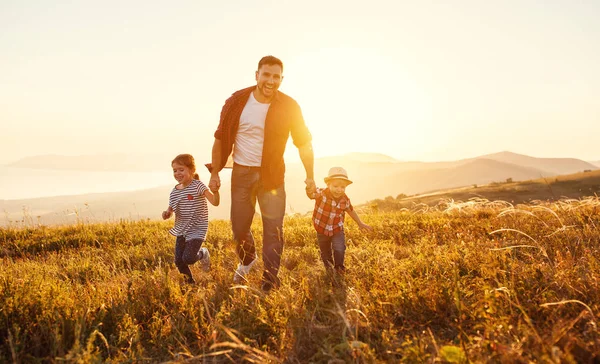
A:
x,y
101,162
375,176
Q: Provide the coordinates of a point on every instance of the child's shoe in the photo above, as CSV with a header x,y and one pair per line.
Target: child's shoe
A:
x,y
205,260
339,277
188,281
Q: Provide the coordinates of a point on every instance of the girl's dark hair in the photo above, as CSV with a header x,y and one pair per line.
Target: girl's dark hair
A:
x,y
188,161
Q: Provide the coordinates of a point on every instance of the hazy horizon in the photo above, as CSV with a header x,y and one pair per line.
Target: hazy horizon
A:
x,y
202,158
415,81
126,192
54,175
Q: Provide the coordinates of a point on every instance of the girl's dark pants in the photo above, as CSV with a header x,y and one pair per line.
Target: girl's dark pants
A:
x,y
186,253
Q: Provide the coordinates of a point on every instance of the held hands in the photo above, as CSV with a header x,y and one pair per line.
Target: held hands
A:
x,y
309,194
215,182
166,214
311,187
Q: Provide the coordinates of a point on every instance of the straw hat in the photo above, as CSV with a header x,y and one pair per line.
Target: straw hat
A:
x,y
337,173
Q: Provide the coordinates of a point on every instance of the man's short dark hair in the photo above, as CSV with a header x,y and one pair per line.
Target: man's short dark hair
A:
x,y
270,60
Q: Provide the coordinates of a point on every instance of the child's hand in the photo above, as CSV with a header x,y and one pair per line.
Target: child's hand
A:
x,y
310,194
166,214
364,226
311,187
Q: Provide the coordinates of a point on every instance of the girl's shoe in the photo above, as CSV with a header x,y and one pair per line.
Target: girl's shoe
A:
x,y
205,260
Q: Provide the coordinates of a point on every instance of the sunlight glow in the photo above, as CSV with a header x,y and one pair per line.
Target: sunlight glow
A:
x,y
361,101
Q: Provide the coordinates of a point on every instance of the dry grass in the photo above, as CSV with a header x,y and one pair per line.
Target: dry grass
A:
x,y
472,281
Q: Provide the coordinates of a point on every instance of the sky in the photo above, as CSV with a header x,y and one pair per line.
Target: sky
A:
x,y
426,80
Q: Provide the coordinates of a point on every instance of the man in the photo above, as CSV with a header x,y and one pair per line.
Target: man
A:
x,y
255,124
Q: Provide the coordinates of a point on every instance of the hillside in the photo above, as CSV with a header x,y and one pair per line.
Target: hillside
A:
x,y
473,172
573,186
462,283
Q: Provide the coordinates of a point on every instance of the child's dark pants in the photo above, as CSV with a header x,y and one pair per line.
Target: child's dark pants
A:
x,y
186,253
333,249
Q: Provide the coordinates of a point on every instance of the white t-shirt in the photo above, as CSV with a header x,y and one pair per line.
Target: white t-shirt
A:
x,y
250,135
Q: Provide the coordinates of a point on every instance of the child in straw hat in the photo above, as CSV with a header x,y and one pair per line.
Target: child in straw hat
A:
x,y
331,204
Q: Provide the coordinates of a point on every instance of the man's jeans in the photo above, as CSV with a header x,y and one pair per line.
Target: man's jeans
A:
x,y
335,244
246,189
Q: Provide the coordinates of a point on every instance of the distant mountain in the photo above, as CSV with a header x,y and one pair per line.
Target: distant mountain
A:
x,y
366,161
375,176
596,163
552,166
370,158
479,171
101,162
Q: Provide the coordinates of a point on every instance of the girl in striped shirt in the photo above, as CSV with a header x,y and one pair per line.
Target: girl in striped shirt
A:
x,y
188,202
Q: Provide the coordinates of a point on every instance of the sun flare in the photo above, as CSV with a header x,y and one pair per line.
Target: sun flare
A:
x,y
358,100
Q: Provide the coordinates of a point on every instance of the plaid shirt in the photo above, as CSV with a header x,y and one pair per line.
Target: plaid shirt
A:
x,y
328,215
283,118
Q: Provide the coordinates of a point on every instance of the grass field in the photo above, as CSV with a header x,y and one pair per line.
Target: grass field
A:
x,y
473,281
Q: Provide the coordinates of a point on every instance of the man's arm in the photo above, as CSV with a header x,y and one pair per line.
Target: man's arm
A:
x,y
308,160
215,181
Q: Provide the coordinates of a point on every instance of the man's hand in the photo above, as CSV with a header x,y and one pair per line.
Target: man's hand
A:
x,y
215,182
311,187
166,214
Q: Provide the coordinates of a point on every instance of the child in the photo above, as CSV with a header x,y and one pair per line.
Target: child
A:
x,y
188,201
331,204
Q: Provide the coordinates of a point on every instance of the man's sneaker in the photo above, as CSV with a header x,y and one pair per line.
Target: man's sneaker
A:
x,y
242,271
205,261
270,283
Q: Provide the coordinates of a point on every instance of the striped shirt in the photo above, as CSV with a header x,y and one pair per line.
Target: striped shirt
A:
x,y
328,215
191,211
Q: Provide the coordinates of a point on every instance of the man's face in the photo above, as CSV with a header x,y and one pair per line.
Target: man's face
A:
x,y
268,79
